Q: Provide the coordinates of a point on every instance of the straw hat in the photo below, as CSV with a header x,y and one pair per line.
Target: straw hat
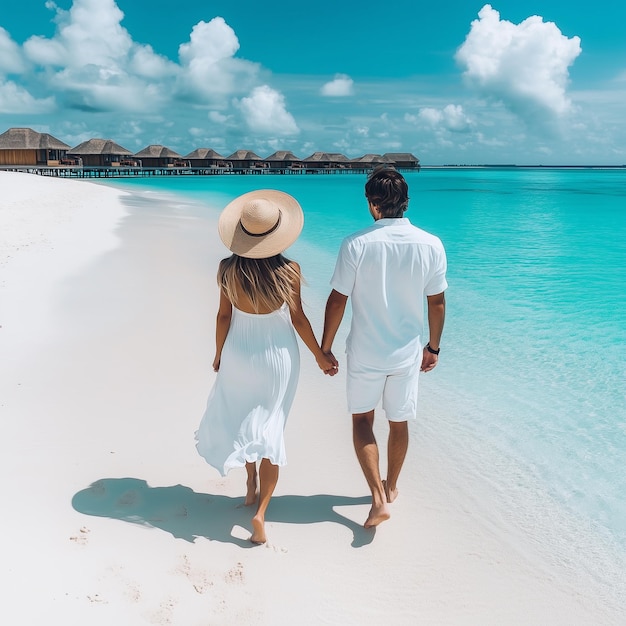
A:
x,y
261,224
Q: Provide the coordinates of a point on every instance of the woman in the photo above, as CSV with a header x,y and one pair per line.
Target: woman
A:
x,y
256,356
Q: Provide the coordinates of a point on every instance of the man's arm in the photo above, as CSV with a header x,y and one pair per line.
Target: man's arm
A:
x,y
303,327
335,308
436,319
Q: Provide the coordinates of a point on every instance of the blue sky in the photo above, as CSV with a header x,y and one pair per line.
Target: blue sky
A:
x,y
452,82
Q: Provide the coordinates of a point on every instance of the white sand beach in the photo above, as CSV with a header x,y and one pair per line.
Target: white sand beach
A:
x,y
107,305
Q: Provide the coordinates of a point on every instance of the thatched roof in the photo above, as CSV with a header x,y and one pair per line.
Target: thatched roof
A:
x,y
158,152
244,155
100,146
318,157
204,153
400,156
282,155
28,139
371,158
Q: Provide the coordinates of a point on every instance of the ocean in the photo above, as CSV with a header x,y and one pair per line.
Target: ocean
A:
x,y
530,392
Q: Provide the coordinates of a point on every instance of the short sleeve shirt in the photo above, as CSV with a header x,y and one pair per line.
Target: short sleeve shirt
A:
x,y
387,270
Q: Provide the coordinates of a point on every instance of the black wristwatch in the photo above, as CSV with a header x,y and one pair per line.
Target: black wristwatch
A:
x,y
432,350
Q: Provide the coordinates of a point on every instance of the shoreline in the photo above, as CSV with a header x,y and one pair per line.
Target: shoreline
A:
x,y
110,396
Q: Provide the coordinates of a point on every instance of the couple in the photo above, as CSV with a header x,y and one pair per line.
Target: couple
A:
x,y
387,270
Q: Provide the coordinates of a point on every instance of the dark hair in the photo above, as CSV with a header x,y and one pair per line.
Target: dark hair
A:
x,y
387,190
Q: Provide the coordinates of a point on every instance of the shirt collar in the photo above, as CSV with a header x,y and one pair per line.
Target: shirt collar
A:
x,y
389,221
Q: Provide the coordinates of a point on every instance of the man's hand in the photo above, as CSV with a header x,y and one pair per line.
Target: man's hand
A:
x,y
334,364
429,361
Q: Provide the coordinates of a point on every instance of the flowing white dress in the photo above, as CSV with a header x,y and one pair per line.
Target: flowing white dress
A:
x,y
255,386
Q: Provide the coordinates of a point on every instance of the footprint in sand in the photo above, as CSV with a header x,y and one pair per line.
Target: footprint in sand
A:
x,y
131,588
199,579
96,597
274,548
81,538
164,613
235,574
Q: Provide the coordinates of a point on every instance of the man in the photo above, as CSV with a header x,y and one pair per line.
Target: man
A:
x,y
387,269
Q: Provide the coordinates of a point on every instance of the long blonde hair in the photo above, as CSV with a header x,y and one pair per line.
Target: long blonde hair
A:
x,y
267,283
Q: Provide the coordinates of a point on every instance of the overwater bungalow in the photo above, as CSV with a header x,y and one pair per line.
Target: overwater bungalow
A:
x,y
370,160
283,159
205,157
245,159
160,156
403,160
102,153
24,146
326,160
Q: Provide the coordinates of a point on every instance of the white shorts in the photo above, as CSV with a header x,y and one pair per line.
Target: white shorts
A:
x,y
397,388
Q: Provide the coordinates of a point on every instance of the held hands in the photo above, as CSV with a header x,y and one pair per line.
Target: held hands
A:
x,y
327,363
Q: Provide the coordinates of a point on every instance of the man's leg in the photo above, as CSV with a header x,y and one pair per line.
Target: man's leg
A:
x,y
366,450
397,446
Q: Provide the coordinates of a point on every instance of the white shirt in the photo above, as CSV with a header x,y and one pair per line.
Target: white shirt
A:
x,y
387,270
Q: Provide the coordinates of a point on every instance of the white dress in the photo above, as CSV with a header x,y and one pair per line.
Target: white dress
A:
x,y
253,392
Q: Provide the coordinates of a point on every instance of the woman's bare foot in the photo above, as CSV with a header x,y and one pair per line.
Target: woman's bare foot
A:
x,y
258,530
378,514
252,491
391,494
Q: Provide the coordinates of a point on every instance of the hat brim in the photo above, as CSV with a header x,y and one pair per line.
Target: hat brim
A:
x,y
254,247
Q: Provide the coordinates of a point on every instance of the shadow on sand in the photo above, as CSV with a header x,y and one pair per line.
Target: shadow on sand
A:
x,y
187,515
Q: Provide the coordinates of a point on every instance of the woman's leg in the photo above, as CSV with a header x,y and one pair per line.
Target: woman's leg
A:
x,y
251,484
268,477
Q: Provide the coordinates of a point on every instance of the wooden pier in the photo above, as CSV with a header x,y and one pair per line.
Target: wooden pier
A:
x,y
61,171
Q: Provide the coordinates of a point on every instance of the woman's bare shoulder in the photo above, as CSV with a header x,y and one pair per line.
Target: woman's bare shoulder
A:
x,y
295,266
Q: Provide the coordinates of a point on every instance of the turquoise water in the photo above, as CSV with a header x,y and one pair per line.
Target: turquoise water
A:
x,y
532,382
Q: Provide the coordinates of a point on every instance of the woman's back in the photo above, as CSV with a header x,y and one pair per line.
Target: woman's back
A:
x,y
245,304
259,285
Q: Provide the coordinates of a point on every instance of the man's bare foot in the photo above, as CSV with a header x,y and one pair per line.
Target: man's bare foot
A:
x,y
391,494
258,530
377,516
252,492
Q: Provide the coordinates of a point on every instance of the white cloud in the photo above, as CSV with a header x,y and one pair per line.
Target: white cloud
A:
x,y
89,33
451,117
209,43
15,99
264,111
210,68
94,61
11,61
146,63
523,65
341,86
217,117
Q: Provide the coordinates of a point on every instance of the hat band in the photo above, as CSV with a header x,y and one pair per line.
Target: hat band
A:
x,y
267,232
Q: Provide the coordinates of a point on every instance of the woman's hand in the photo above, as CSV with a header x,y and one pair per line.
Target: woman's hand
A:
x,y
327,363
216,363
